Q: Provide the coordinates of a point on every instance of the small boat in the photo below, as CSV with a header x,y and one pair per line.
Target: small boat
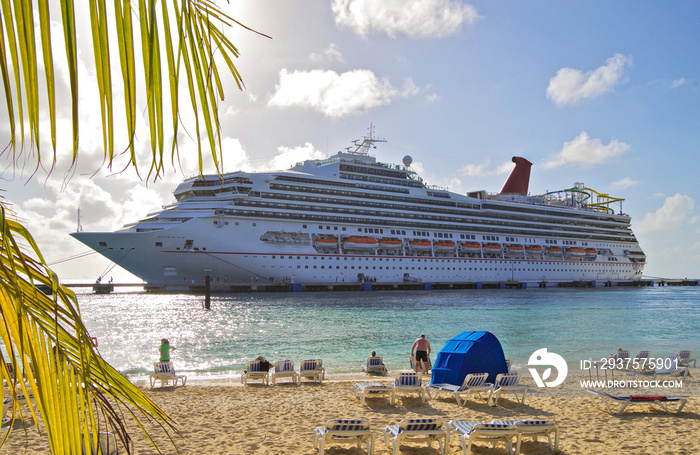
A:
x,y
444,245
389,243
420,245
361,243
591,252
515,249
533,250
471,247
554,250
574,252
492,248
326,242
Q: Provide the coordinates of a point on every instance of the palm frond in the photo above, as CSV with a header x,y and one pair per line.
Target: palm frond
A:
x,y
189,33
46,339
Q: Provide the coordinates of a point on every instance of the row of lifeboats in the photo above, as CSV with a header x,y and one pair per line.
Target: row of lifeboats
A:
x,y
365,243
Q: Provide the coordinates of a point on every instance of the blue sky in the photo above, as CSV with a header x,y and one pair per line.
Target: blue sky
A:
x,y
604,93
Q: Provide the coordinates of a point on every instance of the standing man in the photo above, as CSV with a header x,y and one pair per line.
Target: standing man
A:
x,y
422,350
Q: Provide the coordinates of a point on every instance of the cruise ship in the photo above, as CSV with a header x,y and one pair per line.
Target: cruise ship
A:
x,y
351,218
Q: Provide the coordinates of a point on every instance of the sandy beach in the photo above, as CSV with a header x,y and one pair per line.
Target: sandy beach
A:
x,y
229,418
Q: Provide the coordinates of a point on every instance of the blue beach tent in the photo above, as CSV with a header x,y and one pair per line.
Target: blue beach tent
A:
x,y
469,352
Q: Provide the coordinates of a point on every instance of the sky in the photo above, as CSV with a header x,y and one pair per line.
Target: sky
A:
x,y
598,92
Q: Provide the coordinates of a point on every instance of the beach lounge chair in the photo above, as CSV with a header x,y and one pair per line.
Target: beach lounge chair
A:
x,y
165,372
473,384
374,389
672,366
374,365
505,384
312,369
9,402
534,429
423,430
409,382
471,432
285,369
345,432
108,444
611,401
253,373
685,358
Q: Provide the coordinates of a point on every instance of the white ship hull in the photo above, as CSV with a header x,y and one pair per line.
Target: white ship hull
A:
x,y
235,254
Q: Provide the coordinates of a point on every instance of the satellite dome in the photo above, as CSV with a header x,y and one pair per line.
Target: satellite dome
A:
x,y
407,160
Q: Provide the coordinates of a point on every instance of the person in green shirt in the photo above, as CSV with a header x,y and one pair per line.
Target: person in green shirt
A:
x,y
165,349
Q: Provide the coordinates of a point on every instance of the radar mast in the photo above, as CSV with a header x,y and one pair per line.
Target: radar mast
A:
x,y
367,143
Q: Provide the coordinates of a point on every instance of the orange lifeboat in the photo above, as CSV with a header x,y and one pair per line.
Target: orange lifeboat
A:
x,y
574,252
533,249
420,245
326,242
591,252
515,249
471,247
554,250
444,245
389,243
360,243
493,248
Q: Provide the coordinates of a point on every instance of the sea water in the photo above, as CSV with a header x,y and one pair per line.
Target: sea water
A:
x,y
342,328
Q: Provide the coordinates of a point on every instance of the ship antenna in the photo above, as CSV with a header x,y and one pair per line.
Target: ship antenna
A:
x,y
80,226
367,143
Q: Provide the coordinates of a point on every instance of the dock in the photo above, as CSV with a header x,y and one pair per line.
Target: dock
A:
x,y
218,288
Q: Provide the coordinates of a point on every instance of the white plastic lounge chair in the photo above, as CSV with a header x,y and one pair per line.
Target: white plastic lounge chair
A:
x,y
640,362
427,430
374,365
471,432
409,382
611,401
373,389
253,373
345,432
312,369
473,384
285,369
164,372
534,429
9,402
685,358
108,444
505,384
672,366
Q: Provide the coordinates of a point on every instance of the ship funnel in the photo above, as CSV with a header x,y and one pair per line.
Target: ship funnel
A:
x,y
519,178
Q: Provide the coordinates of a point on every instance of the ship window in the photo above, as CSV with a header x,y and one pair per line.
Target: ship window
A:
x,y
103,243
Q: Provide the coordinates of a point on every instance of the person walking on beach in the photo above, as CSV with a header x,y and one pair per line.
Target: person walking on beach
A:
x,y
422,350
165,349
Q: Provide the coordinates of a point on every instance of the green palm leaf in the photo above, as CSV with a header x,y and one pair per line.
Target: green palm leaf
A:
x,y
76,393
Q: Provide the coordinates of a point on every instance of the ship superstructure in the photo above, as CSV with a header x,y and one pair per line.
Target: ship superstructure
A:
x,y
350,217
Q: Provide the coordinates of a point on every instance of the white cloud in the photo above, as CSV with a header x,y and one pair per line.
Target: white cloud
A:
x,y
289,156
329,55
584,150
485,169
678,83
624,183
570,85
413,18
336,95
670,217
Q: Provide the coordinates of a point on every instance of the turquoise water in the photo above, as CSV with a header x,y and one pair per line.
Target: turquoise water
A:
x,y
342,328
